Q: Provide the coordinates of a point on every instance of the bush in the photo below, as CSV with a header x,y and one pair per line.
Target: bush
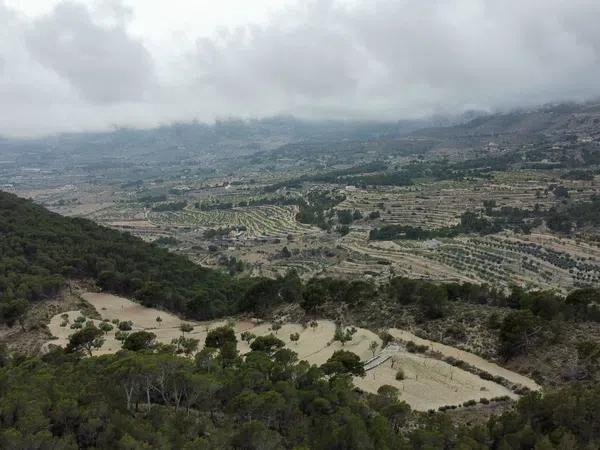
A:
x,y
493,321
400,375
456,332
247,336
125,326
486,376
522,390
411,347
121,335
140,340
386,338
105,327
499,380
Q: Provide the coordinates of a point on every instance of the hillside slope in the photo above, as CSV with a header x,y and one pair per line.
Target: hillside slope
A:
x,y
40,251
545,121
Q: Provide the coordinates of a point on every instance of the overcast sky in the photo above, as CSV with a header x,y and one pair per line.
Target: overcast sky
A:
x,y
89,65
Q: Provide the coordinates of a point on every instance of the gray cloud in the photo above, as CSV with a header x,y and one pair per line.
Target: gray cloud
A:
x,y
313,59
103,64
79,68
386,58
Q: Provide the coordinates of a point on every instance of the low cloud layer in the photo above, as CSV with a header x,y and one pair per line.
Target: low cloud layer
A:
x,y
79,66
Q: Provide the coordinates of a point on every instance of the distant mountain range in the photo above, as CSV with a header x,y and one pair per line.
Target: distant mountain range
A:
x,y
222,139
547,121
232,138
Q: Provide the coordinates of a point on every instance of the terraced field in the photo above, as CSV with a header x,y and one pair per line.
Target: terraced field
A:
x,y
257,222
409,206
368,267
535,260
304,267
259,233
436,205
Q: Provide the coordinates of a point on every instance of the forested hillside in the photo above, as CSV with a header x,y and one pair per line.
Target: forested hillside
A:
x,y
152,399
40,250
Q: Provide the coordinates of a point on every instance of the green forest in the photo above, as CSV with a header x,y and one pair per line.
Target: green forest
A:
x,y
40,250
151,398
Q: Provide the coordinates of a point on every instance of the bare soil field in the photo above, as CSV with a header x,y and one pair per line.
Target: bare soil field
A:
x,y
428,382
469,358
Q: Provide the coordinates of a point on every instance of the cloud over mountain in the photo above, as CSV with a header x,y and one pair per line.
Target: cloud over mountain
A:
x,y
79,66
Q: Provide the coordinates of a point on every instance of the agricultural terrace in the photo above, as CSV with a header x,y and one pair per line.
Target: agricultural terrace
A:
x,y
256,235
427,382
251,222
535,260
440,204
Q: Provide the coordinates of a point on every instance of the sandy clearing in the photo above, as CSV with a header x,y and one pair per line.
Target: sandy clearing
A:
x,y
429,383
467,357
283,333
113,307
111,345
316,345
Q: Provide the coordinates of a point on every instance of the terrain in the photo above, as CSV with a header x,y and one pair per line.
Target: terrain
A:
x,y
310,203
378,285
429,383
